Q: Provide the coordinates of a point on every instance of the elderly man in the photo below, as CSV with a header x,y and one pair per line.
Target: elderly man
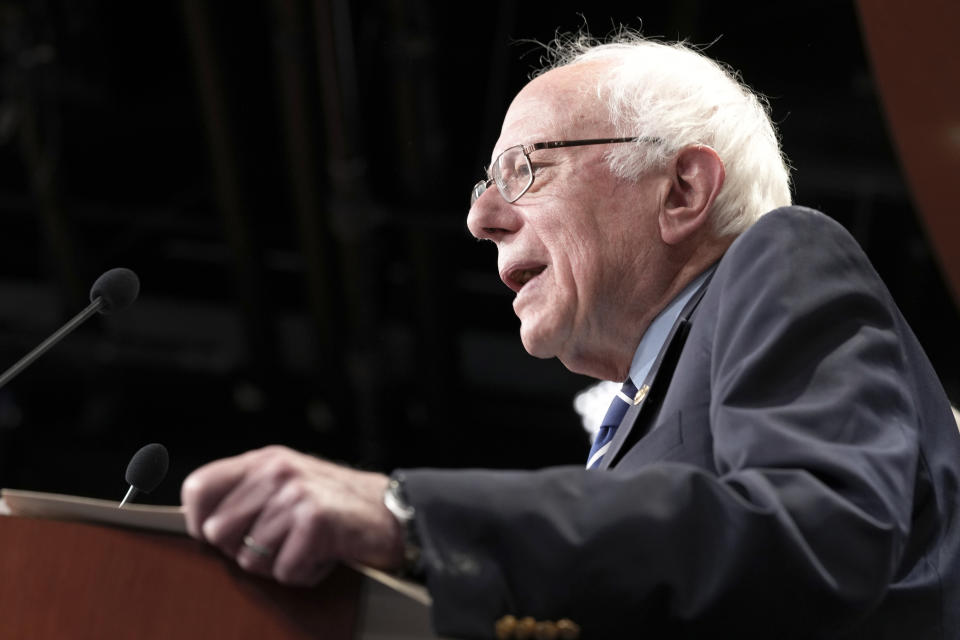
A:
x,y
781,460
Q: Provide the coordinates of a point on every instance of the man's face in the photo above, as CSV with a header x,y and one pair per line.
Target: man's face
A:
x,y
578,247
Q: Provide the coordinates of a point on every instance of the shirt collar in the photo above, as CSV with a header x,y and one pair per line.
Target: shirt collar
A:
x,y
656,334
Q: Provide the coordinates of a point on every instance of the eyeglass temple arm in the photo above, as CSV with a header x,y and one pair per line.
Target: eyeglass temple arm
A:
x,y
554,144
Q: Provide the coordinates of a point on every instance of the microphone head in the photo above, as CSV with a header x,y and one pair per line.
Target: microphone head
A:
x,y
116,289
148,467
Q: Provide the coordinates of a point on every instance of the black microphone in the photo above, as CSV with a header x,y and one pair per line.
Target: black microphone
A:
x,y
114,290
146,470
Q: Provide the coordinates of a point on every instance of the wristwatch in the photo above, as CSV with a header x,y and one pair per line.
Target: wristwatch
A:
x,y
395,500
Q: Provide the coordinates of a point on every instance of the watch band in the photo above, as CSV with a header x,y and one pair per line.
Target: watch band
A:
x,y
395,500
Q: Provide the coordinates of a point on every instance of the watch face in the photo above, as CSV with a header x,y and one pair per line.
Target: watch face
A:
x,y
395,502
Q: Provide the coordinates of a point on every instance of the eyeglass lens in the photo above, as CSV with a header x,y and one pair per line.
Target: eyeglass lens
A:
x,y
512,173
478,190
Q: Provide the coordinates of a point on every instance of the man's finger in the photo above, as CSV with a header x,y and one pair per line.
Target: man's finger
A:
x,y
205,488
308,550
264,538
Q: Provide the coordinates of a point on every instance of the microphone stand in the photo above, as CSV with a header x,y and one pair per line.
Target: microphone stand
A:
x,y
56,337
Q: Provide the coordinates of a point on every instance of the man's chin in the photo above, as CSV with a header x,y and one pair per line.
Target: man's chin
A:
x,y
537,343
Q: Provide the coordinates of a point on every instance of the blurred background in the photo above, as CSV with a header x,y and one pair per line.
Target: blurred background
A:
x,y
290,178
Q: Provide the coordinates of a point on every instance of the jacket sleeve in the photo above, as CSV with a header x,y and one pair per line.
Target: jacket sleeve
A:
x,y
794,530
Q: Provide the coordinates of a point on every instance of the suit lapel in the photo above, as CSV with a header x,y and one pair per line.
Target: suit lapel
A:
x,y
637,420
632,427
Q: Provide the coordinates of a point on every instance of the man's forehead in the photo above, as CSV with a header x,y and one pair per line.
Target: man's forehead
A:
x,y
560,104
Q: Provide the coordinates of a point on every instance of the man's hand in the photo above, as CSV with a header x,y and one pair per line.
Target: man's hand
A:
x,y
298,514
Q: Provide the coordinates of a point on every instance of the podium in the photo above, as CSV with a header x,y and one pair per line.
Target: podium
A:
x,y
76,580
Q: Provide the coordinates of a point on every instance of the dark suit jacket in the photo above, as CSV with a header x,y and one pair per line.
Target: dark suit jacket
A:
x,y
793,473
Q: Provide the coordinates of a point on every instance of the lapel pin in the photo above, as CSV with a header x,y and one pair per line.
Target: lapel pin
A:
x,y
641,394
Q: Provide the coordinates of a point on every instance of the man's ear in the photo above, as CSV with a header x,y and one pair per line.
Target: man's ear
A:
x,y
696,175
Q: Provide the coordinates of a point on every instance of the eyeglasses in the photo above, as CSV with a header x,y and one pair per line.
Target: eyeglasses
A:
x,y
512,170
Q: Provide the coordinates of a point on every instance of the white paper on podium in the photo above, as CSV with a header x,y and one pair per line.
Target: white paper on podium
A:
x,y
56,506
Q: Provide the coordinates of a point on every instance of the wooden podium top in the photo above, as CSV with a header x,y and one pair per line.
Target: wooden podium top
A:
x,y
76,567
73,580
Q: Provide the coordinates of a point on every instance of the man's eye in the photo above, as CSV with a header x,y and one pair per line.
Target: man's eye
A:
x,y
538,169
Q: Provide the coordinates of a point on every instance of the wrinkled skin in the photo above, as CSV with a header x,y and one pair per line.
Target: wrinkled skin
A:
x,y
309,511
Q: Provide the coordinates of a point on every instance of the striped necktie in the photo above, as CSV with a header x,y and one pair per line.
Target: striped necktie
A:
x,y
618,408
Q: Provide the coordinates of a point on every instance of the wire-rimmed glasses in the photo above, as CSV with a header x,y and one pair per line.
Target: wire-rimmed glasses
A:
x,y
512,172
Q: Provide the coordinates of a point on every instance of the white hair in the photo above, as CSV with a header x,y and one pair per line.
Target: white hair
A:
x,y
675,94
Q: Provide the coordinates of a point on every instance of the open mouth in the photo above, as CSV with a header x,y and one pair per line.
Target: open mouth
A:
x,y
520,277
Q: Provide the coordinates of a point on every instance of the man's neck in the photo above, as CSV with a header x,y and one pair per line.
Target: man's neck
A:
x,y
692,269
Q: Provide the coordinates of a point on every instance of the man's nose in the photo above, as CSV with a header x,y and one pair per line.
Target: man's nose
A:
x,y
491,217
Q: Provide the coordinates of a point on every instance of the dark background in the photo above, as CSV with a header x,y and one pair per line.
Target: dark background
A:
x,y
289,179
